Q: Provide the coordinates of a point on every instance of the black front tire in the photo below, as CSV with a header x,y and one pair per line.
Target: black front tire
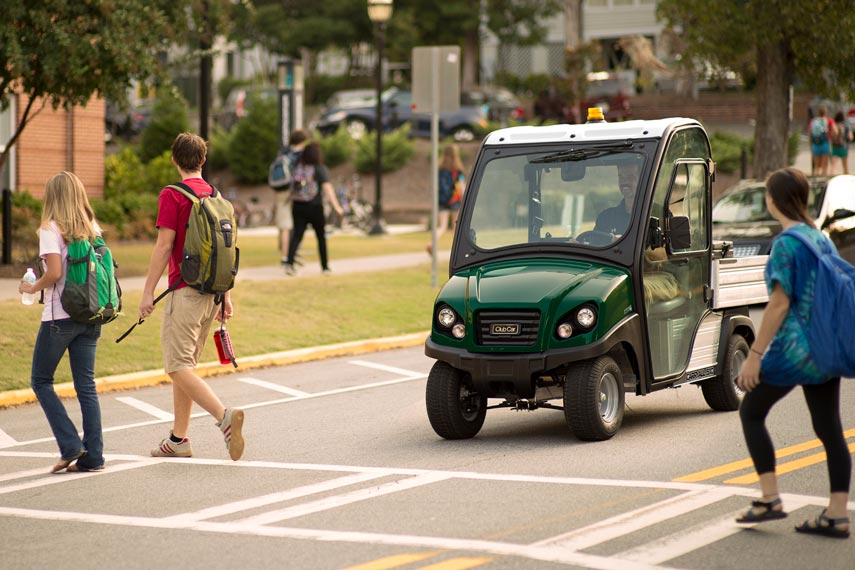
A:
x,y
721,393
454,410
594,399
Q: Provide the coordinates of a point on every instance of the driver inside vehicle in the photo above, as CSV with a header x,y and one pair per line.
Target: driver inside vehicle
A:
x,y
615,220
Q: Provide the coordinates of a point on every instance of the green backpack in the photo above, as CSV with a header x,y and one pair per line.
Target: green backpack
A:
x,y
92,293
210,257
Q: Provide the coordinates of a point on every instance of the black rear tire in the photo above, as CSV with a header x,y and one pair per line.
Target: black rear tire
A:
x,y
594,399
454,410
721,393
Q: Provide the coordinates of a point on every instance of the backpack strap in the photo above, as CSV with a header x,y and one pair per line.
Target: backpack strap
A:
x,y
188,192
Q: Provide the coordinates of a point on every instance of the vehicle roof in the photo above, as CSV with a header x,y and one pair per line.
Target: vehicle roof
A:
x,y
586,132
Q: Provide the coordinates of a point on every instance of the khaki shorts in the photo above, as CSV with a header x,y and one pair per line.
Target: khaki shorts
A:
x,y
187,319
282,215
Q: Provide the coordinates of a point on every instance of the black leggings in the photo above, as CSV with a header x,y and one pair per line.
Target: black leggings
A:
x,y
823,401
308,214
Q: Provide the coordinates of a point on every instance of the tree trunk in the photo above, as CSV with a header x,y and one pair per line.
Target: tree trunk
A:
x,y
572,24
774,75
470,60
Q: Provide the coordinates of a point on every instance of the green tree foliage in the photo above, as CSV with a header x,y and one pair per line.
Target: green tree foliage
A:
x,y
168,120
62,53
254,143
808,40
336,148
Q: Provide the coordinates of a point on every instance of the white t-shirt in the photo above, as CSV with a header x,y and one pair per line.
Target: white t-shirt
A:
x,y
50,241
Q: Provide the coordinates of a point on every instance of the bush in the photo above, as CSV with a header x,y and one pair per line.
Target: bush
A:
x,y
727,151
168,119
26,218
337,148
227,84
529,86
254,143
218,148
398,149
131,189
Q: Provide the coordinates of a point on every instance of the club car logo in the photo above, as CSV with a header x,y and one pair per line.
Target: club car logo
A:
x,y
505,328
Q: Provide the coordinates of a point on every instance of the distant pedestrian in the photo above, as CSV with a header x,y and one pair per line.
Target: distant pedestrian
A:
x,y
840,143
821,129
780,360
311,185
66,217
452,183
188,314
282,214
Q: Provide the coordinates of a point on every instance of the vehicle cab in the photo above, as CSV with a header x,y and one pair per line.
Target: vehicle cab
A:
x,y
582,268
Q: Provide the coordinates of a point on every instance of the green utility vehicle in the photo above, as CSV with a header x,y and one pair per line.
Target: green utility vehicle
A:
x,y
583,268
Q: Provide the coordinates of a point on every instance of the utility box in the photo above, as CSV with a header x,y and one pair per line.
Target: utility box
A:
x,y
436,79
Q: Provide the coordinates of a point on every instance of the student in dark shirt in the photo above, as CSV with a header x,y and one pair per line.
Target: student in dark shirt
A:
x,y
615,220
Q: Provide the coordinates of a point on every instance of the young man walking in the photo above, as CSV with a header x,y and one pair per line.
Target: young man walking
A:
x,y
282,213
187,313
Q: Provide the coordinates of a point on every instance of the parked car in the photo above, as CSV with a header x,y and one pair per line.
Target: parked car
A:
x,y
605,90
350,98
461,125
126,123
499,103
238,102
740,216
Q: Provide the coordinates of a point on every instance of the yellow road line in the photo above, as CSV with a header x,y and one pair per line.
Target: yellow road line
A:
x,y
785,467
714,472
392,561
457,564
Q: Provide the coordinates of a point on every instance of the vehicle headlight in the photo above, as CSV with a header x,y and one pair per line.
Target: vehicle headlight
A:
x,y
446,317
459,330
586,317
564,330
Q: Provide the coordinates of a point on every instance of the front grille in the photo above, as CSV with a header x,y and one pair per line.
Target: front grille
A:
x,y
507,328
745,250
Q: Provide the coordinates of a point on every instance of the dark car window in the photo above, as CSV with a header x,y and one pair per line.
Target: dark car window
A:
x,y
748,205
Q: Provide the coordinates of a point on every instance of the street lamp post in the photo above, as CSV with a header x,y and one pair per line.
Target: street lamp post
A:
x,y
379,11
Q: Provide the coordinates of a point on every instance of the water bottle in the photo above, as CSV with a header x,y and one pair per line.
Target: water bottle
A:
x,y
29,277
225,351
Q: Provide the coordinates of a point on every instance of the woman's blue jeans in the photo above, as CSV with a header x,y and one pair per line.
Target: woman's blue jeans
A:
x,y
80,340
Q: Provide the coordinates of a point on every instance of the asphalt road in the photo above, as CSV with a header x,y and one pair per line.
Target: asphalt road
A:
x,y
342,471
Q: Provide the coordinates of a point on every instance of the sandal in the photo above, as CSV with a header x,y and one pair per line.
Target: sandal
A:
x,y
767,514
825,526
63,464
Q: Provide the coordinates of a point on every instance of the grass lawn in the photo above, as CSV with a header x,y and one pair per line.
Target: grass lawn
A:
x,y
269,317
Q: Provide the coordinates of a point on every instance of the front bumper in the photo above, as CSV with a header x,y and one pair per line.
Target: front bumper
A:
x,y
502,374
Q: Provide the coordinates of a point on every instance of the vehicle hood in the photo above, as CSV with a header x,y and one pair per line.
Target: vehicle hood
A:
x,y
545,284
759,231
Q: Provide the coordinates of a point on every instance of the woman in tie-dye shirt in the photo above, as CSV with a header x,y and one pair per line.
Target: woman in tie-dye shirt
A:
x,y
780,360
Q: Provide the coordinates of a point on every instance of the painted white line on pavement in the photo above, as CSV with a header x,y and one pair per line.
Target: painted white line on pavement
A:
x,y
24,474
6,440
147,408
635,520
54,478
392,369
555,555
255,502
272,386
685,541
345,499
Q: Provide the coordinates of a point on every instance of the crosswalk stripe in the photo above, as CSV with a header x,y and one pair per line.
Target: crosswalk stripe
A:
x,y
392,369
273,386
457,563
145,407
6,440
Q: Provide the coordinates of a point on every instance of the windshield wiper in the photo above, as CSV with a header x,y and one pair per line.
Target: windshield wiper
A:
x,y
575,154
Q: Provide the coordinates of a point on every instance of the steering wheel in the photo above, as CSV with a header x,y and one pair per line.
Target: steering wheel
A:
x,y
595,238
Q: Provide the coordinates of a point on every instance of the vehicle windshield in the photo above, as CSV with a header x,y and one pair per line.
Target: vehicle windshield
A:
x,y
582,196
749,205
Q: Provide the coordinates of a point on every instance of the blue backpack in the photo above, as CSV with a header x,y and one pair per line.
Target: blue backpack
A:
x,y
833,312
819,130
446,186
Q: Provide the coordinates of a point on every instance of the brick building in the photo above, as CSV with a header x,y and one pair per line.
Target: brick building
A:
x,y
54,141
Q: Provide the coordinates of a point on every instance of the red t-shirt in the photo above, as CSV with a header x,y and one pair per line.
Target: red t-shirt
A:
x,y
173,212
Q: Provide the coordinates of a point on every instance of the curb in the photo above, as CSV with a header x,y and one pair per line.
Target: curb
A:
x,y
135,380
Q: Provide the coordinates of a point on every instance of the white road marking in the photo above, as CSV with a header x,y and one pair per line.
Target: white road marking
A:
x,y
345,499
255,502
24,474
638,519
145,407
6,440
53,479
392,369
272,386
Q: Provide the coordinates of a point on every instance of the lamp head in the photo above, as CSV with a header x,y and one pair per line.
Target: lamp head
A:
x,y
379,11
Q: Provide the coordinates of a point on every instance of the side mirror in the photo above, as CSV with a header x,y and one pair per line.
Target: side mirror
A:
x,y
654,234
572,171
679,234
839,214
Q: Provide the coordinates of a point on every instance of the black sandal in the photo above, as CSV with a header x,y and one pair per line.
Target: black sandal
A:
x,y
767,514
825,526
